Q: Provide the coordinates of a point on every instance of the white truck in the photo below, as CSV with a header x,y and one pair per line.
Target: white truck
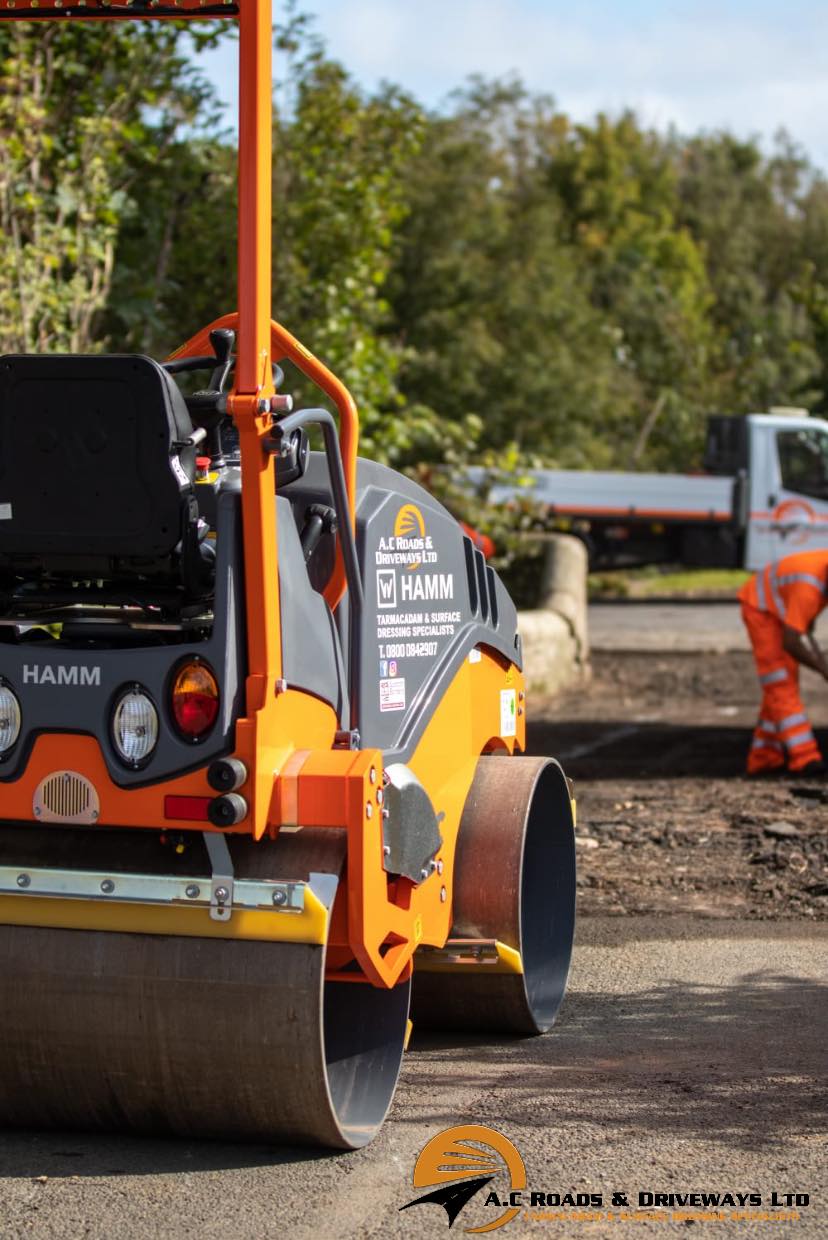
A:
x,y
763,494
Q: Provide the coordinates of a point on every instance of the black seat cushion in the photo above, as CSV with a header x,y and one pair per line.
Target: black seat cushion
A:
x,y
88,459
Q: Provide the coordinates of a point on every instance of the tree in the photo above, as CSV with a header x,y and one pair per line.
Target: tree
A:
x,y
338,201
745,212
487,291
75,136
646,274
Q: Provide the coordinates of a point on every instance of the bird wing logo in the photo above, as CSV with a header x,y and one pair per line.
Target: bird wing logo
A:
x,y
793,519
410,527
461,1161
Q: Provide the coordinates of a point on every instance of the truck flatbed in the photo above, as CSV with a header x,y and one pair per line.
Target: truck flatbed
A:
x,y
650,497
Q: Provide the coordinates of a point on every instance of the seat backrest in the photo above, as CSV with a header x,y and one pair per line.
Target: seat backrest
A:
x,y
91,459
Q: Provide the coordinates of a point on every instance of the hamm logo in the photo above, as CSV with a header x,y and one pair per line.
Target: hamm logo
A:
x,y
73,674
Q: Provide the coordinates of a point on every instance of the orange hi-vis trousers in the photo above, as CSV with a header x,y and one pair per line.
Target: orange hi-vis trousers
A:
x,y
783,730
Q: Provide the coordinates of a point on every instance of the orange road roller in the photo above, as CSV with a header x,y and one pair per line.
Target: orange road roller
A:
x,y
261,724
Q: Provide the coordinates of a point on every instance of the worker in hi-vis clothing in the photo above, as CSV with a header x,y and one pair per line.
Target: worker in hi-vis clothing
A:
x,y
779,606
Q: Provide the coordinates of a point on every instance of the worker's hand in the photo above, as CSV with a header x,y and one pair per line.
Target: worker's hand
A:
x,y
804,648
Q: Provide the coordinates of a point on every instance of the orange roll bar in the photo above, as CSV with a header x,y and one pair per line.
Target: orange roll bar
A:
x,y
284,345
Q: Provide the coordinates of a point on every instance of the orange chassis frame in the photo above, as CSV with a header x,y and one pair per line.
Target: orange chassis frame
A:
x,y
286,737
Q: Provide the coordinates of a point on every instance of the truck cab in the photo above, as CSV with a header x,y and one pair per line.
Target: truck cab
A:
x,y
786,485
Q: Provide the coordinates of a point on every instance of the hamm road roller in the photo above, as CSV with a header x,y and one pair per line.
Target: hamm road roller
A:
x,y
262,798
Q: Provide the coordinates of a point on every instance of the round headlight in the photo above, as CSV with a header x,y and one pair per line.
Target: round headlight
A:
x,y
134,726
9,718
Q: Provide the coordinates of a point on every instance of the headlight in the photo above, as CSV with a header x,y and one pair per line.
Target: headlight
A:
x,y
134,726
9,718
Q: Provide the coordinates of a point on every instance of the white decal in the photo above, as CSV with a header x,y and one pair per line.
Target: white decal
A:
x,y
392,694
5,512
45,674
427,586
508,713
416,624
386,587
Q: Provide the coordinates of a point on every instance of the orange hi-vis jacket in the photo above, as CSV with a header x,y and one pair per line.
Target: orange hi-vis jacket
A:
x,y
791,592
794,590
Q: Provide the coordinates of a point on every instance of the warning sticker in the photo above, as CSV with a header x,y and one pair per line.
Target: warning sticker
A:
x,y
508,713
5,512
392,694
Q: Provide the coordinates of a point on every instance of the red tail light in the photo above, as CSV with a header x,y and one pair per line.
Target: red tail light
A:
x,y
195,700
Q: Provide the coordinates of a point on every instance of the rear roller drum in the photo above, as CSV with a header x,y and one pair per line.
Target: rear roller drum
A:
x,y
514,884
196,1037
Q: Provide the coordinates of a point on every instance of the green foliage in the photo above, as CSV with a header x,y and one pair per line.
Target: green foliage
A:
x,y
748,215
487,292
74,136
338,200
494,282
647,275
664,581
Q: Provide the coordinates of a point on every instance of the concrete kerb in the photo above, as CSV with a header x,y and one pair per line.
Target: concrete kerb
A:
x,y
555,634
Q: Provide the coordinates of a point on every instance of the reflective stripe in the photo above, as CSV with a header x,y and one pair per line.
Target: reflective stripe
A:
x,y
760,591
804,738
774,589
767,724
759,744
773,678
807,579
791,721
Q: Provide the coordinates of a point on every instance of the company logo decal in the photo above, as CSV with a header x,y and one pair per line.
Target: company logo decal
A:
x,y
409,531
792,519
463,1160
472,1163
412,545
386,587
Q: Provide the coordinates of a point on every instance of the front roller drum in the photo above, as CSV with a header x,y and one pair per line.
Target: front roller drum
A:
x,y
193,1037
514,884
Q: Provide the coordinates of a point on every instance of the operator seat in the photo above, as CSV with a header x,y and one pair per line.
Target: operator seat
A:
x,y
96,467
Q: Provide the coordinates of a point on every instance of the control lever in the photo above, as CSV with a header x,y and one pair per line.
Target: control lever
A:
x,y
209,406
319,520
222,340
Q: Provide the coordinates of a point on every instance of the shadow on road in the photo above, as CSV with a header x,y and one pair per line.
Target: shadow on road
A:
x,y
62,1155
601,749
743,1064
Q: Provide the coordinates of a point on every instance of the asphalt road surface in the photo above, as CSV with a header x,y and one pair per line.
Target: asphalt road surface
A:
x,y
681,626
689,1055
687,1058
